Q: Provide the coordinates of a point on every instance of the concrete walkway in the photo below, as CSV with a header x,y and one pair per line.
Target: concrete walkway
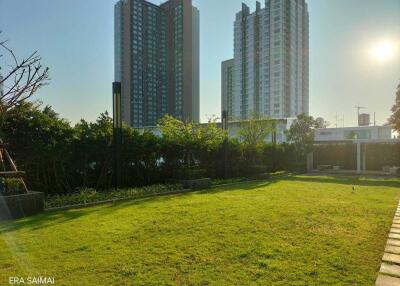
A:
x,y
389,273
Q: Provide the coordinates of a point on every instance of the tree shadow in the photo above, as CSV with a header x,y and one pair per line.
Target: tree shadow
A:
x,y
239,186
43,220
52,218
346,180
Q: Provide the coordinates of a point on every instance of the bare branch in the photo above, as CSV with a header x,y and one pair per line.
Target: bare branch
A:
x,y
22,80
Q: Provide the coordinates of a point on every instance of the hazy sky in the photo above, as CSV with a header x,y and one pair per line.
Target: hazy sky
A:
x,y
75,39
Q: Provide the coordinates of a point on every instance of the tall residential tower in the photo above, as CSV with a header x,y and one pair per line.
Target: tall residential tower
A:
x,y
271,61
157,60
227,87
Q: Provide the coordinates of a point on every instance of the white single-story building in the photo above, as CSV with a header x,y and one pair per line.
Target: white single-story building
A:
x,y
354,133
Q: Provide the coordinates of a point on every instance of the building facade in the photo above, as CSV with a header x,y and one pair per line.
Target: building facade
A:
x,y
157,60
271,60
227,87
385,132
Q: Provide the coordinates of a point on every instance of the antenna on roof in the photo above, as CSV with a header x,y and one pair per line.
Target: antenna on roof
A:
x,y
359,108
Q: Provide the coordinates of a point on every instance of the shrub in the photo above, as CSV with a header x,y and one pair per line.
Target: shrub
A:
x,y
9,187
189,173
86,196
59,158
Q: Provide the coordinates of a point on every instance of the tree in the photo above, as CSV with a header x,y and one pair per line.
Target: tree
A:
x,y
23,78
190,138
252,134
301,134
321,123
395,118
41,144
93,145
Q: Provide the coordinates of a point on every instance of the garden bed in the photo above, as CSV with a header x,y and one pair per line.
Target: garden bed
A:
x,y
88,197
21,205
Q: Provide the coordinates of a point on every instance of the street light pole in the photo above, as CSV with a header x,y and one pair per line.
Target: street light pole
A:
x,y
117,133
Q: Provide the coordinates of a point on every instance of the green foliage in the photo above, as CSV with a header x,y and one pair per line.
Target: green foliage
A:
x,y
395,119
292,231
189,173
253,132
41,143
86,196
301,134
189,139
11,186
59,158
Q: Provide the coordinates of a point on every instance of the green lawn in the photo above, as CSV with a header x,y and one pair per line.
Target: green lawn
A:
x,y
294,231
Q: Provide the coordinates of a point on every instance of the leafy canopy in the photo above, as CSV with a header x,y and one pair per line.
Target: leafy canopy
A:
x,y
395,119
253,132
191,138
301,133
191,135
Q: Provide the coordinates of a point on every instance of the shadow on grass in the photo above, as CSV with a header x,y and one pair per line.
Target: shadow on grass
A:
x,y
43,220
53,218
346,180
49,219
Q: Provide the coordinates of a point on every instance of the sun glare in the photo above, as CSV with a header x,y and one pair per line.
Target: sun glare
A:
x,y
383,51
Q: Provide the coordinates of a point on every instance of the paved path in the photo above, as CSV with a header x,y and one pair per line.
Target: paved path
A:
x,y
389,273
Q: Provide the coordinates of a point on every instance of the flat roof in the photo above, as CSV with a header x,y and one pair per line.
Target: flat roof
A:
x,y
355,141
355,127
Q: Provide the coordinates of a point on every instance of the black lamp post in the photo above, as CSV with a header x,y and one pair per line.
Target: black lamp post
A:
x,y
117,132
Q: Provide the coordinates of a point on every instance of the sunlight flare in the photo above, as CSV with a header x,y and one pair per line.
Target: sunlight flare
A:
x,y
383,51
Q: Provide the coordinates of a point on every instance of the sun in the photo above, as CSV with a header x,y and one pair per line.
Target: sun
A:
x,y
383,51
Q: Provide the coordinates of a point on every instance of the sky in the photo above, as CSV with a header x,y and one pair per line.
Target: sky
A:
x,y
75,39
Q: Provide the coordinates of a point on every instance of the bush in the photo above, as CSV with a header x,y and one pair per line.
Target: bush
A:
x,y
10,187
59,158
256,169
86,196
189,173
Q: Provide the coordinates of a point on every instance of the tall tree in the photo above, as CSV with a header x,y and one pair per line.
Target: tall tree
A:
x,y
301,134
252,134
395,119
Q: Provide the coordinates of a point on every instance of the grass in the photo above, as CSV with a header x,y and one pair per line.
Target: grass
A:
x,y
293,231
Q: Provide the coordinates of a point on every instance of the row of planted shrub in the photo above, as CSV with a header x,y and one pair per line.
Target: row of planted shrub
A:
x,y
89,196
59,157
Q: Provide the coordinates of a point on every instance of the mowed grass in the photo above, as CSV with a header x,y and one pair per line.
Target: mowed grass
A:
x,y
295,231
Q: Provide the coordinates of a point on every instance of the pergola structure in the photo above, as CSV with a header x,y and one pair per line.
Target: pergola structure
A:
x,y
361,145
5,159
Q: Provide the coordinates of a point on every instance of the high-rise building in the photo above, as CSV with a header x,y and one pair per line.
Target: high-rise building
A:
x,y
227,87
157,60
271,60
